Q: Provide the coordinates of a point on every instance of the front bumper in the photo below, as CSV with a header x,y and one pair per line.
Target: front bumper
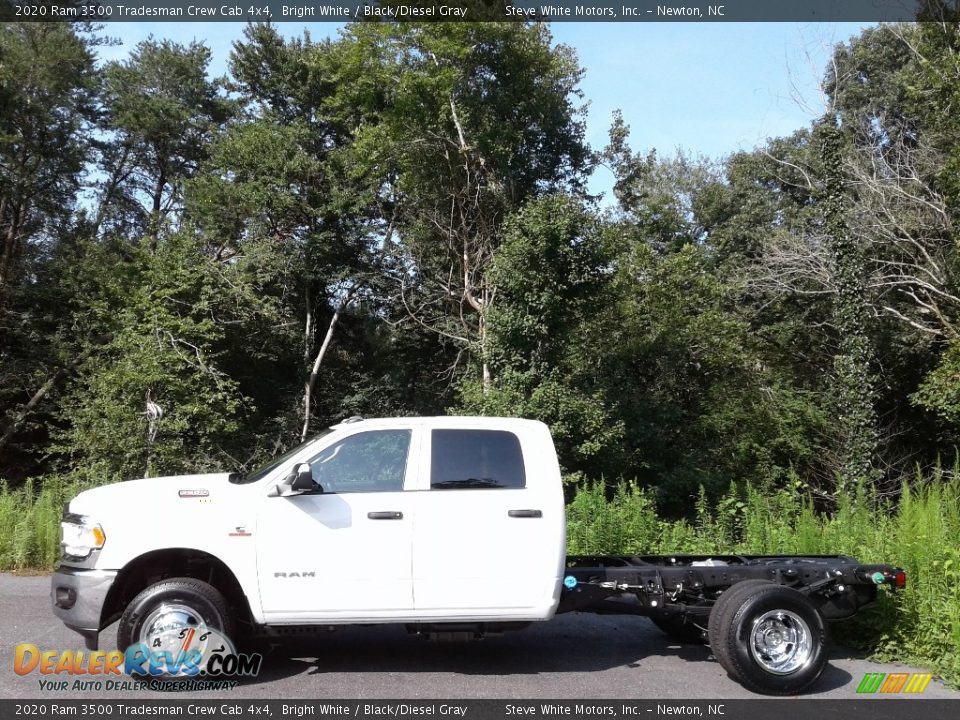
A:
x,y
78,596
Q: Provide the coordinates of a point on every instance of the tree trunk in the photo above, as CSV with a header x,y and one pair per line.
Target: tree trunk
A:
x,y
116,177
157,209
158,197
487,376
17,421
308,323
3,257
11,240
853,381
317,362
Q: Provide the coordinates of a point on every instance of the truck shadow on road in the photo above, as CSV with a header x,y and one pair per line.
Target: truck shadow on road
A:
x,y
569,644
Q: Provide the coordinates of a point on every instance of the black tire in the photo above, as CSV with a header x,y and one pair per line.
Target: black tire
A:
x,y
723,609
677,628
204,599
779,666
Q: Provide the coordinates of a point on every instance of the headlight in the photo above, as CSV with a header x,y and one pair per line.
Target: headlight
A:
x,y
79,536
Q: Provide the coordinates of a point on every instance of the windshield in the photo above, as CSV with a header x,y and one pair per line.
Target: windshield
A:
x,y
264,470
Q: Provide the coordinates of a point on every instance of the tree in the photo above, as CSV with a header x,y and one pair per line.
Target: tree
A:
x,y
552,273
153,396
855,396
893,88
715,377
162,112
460,124
48,92
48,87
277,178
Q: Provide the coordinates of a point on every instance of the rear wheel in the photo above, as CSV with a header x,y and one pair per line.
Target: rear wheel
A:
x,y
725,606
769,638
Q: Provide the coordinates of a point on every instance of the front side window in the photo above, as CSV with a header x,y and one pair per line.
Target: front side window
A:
x,y
373,461
475,459
265,469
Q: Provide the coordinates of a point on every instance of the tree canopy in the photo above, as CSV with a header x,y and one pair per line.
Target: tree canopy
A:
x,y
197,271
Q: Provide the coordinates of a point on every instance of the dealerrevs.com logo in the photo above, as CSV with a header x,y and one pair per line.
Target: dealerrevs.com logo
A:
x,y
174,657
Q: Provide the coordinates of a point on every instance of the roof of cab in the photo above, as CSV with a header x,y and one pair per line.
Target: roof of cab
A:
x,y
441,421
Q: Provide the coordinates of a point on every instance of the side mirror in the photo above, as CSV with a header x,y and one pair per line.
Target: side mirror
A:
x,y
298,482
303,479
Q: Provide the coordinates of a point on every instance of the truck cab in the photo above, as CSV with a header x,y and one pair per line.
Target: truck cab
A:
x,y
432,521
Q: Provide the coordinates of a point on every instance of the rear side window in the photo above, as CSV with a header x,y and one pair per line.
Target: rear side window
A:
x,y
471,459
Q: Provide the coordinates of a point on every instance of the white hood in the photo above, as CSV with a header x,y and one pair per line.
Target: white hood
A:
x,y
147,493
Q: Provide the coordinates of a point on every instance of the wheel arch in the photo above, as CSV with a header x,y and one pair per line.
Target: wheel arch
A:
x,y
156,565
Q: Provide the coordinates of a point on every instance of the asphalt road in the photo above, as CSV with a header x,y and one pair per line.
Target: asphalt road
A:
x,y
575,656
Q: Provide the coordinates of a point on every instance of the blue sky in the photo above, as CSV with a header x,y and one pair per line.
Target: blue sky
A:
x,y
707,88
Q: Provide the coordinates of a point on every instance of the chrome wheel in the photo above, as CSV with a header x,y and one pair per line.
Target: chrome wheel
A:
x,y
780,642
171,627
170,624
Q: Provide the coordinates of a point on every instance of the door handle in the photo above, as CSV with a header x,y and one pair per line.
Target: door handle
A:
x,y
525,513
385,515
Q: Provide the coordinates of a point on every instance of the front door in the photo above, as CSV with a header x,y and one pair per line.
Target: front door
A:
x,y
346,548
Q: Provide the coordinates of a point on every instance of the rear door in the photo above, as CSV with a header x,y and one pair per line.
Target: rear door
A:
x,y
489,532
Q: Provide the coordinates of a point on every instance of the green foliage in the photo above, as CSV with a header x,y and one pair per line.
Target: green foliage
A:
x,y
168,312
507,89
48,89
919,532
552,277
855,398
48,86
552,274
625,524
269,190
163,112
457,126
940,389
584,432
426,180
736,335
31,522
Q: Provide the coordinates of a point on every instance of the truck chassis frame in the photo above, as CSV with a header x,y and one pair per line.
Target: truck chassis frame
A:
x,y
687,586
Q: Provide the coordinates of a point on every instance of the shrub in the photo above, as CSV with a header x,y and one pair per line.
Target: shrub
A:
x,y
920,532
30,522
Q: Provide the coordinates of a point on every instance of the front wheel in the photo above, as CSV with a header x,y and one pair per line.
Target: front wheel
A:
x,y
176,616
770,638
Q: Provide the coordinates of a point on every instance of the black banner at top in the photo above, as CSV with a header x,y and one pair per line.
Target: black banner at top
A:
x,y
110,11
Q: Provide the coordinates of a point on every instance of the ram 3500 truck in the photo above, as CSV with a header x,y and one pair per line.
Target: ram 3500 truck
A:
x,y
450,525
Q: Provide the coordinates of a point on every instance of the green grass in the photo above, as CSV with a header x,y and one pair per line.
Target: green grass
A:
x,y
30,523
920,533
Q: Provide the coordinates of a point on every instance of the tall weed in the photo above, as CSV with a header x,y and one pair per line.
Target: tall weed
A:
x,y
920,532
30,523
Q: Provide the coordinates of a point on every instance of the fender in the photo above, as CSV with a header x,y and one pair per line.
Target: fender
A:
x,y
186,561
204,514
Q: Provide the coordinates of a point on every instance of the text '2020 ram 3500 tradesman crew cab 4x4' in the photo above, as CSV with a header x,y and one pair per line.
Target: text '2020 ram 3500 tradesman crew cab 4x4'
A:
x,y
446,524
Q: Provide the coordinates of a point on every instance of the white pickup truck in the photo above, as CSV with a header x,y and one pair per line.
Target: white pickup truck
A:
x,y
446,524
